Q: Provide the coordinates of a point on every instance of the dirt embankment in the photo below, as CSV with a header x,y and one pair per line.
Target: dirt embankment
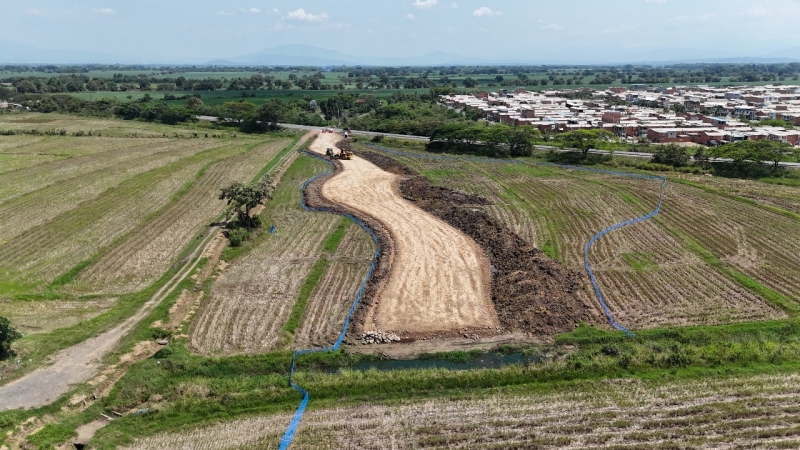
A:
x,y
432,280
531,292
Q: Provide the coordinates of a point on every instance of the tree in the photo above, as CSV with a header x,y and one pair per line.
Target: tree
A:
x,y
7,335
470,83
242,198
498,78
671,154
268,115
749,153
775,152
585,140
193,102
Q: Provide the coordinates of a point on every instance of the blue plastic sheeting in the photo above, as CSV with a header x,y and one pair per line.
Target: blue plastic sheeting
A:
x,y
288,436
586,264
272,229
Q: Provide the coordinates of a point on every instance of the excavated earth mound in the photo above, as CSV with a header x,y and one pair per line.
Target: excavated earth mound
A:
x,y
531,292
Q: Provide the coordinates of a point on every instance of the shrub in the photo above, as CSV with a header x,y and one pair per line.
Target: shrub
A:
x,y
7,335
238,236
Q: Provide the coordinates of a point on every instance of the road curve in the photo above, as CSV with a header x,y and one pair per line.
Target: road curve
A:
x,y
440,279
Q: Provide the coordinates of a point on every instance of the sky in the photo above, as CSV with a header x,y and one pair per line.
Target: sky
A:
x,y
591,31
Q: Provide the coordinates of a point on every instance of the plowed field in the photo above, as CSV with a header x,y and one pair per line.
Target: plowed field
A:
x,y
648,277
328,305
252,299
727,413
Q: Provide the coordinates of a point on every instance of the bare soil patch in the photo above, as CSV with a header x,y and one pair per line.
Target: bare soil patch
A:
x,y
435,280
531,292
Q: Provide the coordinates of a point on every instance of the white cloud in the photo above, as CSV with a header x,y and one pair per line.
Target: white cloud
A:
x,y
410,16
225,13
424,3
251,10
301,14
695,18
553,27
107,11
484,30
655,1
484,11
454,5
275,11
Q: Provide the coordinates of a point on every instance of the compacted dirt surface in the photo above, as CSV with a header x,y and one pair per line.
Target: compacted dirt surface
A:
x,y
531,292
432,278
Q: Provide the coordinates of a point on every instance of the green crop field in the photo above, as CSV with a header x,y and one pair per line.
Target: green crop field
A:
x,y
93,224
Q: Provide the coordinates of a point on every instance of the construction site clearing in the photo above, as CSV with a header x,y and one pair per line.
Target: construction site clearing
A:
x,y
447,271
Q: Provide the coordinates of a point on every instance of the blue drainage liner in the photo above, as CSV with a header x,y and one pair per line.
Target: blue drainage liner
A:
x,y
586,264
288,436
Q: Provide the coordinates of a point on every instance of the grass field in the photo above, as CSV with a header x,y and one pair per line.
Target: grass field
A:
x,y
649,276
89,223
249,303
728,412
710,287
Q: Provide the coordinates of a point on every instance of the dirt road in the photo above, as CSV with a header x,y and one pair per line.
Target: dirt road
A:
x,y
440,279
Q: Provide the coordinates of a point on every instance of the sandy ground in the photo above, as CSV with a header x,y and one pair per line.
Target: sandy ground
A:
x,y
440,279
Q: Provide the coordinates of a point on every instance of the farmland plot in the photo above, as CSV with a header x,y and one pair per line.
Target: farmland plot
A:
x,y
147,253
43,252
758,242
21,213
649,278
85,157
251,300
42,316
71,124
328,305
722,413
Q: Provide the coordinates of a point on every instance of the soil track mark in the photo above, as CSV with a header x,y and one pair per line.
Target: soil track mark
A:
x,y
439,279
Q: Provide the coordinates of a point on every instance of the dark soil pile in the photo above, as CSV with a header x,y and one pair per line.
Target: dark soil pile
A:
x,y
531,292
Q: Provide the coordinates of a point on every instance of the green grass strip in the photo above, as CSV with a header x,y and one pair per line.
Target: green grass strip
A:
x,y
275,160
749,201
769,294
299,308
332,242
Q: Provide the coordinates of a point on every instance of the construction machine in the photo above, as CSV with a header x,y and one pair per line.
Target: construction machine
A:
x,y
343,154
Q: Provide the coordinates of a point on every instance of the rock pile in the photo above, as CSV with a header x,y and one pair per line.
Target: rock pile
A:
x,y
378,337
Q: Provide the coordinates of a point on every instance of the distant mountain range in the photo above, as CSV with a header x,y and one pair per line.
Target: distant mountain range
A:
x,y
303,55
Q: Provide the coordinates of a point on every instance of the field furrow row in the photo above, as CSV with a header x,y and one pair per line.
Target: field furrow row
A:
x,y
147,253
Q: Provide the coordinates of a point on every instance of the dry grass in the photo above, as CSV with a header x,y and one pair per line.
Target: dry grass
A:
x,y
249,303
737,412
83,179
149,250
47,250
43,316
648,278
328,305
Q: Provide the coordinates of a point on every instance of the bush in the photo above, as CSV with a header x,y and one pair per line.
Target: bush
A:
x,y
238,236
671,154
7,335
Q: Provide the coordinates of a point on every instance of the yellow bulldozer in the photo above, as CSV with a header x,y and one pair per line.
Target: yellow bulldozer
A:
x,y
343,154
